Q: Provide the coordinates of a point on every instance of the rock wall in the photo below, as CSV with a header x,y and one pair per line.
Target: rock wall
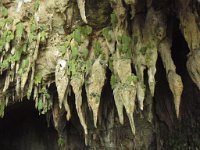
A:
x,y
54,52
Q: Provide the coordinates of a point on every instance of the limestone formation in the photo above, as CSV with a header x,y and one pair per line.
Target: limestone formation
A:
x,y
55,43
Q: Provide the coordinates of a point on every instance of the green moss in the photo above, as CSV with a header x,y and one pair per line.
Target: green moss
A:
x,y
132,78
78,63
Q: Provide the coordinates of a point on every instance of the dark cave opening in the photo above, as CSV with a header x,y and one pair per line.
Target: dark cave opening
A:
x,y
22,128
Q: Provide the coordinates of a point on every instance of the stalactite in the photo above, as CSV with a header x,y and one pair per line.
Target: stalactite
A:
x,y
7,82
193,67
191,33
174,80
94,87
67,108
58,118
153,32
119,103
81,6
77,84
30,88
24,76
139,57
61,80
125,90
81,55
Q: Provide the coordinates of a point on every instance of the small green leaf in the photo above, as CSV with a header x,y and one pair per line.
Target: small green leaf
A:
x,y
5,64
18,53
97,49
114,19
74,52
3,11
2,108
73,69
2,23
38,78
88,66
106,34
40,104
77,35
32,36
43,36
64,46
24,66
85,53
61,142
86,30
8,36
19,30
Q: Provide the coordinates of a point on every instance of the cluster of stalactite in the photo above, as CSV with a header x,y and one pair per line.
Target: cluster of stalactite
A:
x,y
45,42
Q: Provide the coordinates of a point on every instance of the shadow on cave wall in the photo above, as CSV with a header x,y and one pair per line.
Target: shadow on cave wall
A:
x,y
173,133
